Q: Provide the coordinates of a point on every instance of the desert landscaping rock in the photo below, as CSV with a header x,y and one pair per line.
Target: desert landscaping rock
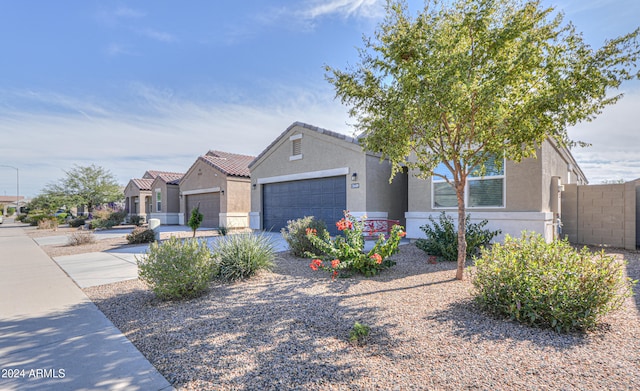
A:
x,y
288,329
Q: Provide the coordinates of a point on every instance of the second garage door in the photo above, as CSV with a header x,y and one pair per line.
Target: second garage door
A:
x,y
324,198
209,207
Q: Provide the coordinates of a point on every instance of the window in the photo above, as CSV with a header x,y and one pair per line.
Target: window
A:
x,y
158,200
482,191
296,147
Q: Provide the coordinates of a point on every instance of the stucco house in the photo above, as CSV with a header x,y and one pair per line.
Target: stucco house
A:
x,y
137,193
310,171
518,196
218,182
165,198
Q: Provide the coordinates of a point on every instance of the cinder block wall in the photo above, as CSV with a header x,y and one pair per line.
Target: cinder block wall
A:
x,y
603,215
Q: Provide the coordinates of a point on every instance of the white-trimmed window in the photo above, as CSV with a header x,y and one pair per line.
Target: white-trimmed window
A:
x,y
296,147
486,191
158,200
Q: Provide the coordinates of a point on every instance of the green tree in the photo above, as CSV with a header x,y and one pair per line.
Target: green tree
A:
x,y
196,219
90,186
462,83
48,202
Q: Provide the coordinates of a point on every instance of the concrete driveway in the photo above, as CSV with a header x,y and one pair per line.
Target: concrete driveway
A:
x,y
100,268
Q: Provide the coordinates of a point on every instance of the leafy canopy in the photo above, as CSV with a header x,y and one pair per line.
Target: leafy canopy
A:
x,y
475,79
467,80
86,185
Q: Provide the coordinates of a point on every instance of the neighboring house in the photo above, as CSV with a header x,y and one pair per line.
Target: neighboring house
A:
x,y
517,197
137,197
137,193
218,182
165,198
309,171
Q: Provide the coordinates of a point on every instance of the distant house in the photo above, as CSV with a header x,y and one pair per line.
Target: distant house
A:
x,y
310,171
219,184
165,198
138,196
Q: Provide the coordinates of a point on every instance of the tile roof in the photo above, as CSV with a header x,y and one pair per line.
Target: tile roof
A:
x,y
171,178
153,174
228,163
310,127
143,184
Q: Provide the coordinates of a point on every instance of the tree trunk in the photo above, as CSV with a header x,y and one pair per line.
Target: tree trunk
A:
x,y
462,240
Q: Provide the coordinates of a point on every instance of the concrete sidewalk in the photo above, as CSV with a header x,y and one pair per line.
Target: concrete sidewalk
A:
x,y
52,336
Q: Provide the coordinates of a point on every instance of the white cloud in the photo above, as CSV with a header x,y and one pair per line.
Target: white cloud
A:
x,y
344,8
158,35
614,137
150,129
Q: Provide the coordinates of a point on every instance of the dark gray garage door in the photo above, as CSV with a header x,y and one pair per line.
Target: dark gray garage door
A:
x,y
324,198
209,207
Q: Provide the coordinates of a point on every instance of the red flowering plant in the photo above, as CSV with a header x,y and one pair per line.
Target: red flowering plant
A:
x,y
345,253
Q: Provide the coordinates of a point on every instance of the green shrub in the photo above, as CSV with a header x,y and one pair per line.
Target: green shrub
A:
x,y
80,238
21,218
442,237
549,284
345,254
77,222
34,219
296,235
117,217
242,255
136,220
359,333
195,219
141,235
101,223
222,230
177,269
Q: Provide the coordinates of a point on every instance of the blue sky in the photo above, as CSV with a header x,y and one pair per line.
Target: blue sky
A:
x,y
134,85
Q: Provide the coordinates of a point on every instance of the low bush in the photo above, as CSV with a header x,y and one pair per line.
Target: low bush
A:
x,y
442,237
77,222
22,217
117,217
136,220
359,333
177,269
141,235
101,223
296,235
549,285
34,219
48,223
242,255
80,238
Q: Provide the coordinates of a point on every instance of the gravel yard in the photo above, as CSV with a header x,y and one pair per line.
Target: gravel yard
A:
x,y
288,329
99,244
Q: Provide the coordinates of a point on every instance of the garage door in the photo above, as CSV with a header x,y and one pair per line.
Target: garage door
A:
x,y
209,207
324,198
